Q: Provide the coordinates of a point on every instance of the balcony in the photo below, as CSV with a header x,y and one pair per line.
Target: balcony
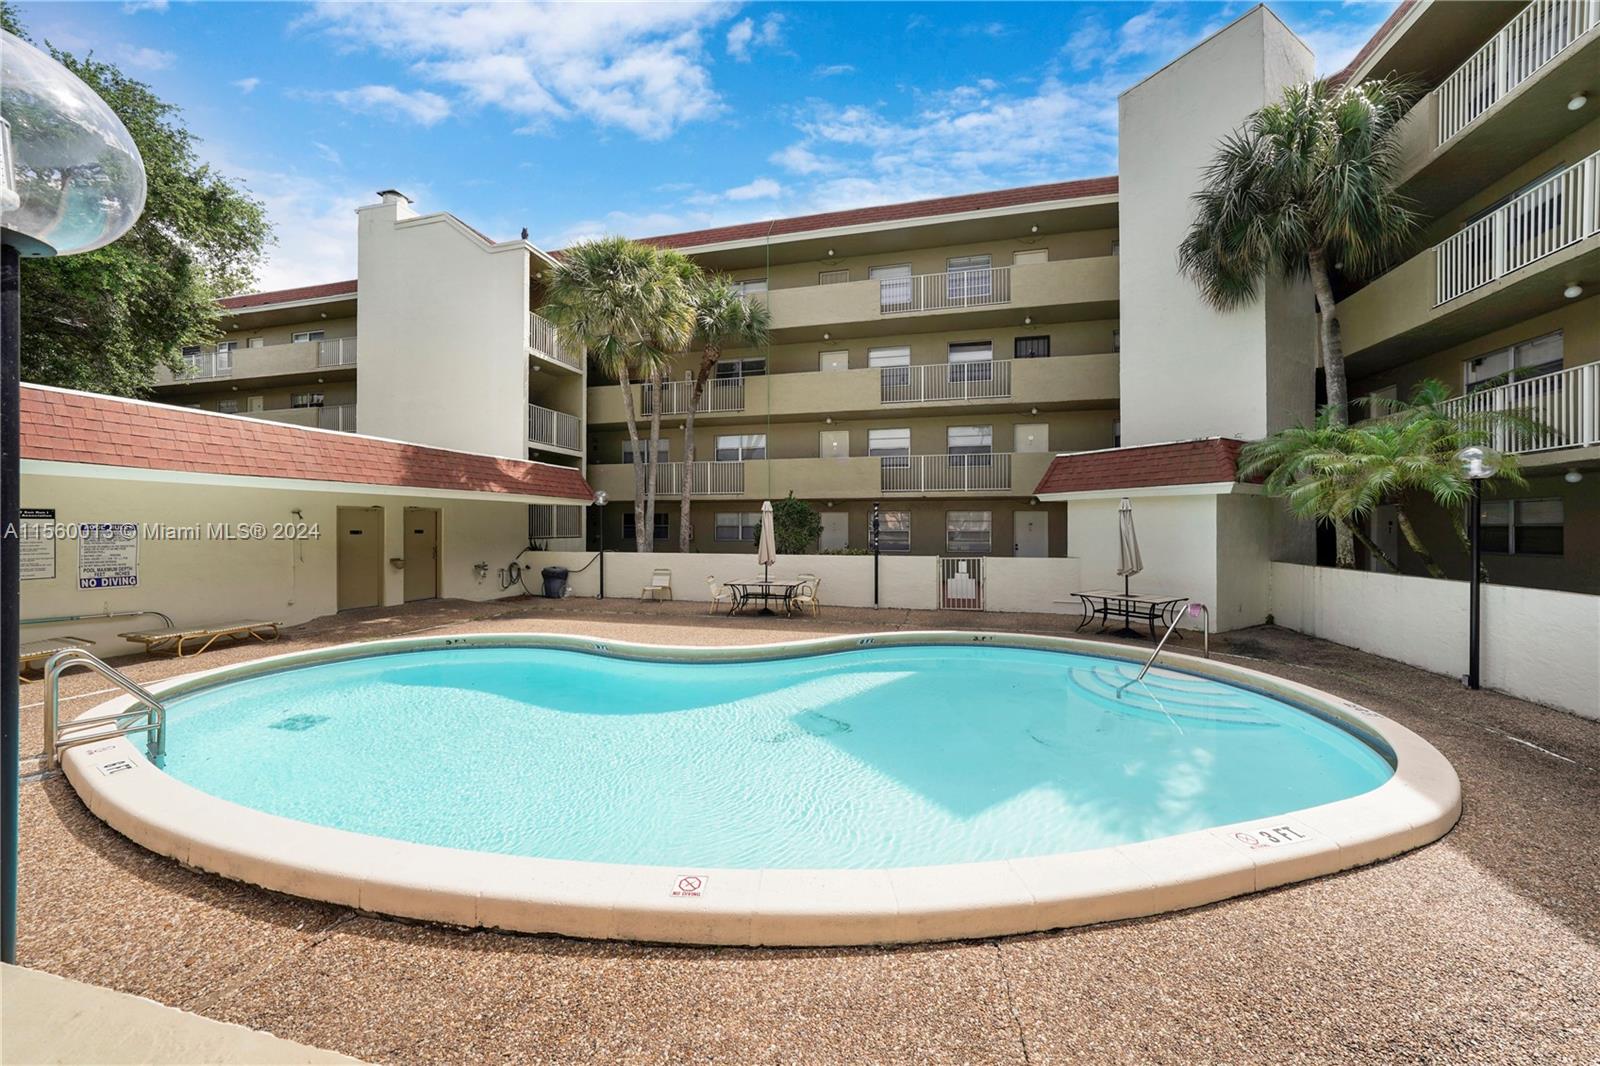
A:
x,y
939,292
721,396
940,474
544,341
861,477
1566,406
273,360
1064,381
341,417
554,429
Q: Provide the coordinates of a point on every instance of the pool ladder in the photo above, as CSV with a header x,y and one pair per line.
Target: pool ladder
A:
x,y
1190,607
150,719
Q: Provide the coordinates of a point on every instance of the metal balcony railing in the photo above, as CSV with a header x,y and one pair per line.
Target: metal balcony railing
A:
x,y
952,289
1560,211
545,340
339,416
715,477
979,380
203,365
340,351
1538,33
969,472
555,428
721,394
1566,406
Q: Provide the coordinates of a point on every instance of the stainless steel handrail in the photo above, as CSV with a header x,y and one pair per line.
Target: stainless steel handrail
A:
x,y
79,731
101,616
1188,607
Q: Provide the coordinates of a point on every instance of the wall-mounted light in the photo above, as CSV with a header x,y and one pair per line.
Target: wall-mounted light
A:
x,y
1577,102
827,336
1027,320
1033,410
830,253
1033,229
1572,477
1573,291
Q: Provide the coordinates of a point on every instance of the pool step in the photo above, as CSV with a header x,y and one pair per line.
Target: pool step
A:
x,y
1177,698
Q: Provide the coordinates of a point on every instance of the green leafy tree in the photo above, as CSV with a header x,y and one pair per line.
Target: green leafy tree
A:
x,y
628,305
1307,185
723,317
105,320
795,525
1338,474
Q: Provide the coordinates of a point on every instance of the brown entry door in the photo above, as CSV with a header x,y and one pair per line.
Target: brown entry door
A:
x,y
360,557
422,553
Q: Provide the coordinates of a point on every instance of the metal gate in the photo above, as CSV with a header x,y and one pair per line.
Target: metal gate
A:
x,y
961,582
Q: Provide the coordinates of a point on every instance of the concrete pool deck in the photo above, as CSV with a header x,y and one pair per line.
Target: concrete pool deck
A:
x,y
1483,947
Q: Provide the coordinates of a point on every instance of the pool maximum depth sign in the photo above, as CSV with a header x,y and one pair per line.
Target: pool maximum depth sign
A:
x,y
108,555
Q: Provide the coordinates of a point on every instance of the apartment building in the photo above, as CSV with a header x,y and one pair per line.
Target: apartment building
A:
x,y
933,359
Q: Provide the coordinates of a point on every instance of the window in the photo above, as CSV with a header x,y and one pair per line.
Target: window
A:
x,y
751,285
1116,340
256,342
969,440
225,356
1530,359
893,444
553,520
629,528
1030,257
1523,527
742,368
1032,347
894,371
1116,247
894,531
739,446
228,407
894,286
833,277
968,532
969,361
969,277
307,335
306,399
731,528
662,453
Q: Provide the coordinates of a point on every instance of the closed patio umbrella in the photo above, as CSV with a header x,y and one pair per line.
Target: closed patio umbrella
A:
x,y
1132,563
766,549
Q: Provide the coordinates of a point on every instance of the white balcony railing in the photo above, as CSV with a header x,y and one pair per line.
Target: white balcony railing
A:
x,y
555,428
1566,406
1560,211
707,478
955,288
721,394
545,340
979,380
339,416
208,364
1538,33
982,472
341,351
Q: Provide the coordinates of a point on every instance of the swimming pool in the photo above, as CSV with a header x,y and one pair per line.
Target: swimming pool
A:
x,y
839,781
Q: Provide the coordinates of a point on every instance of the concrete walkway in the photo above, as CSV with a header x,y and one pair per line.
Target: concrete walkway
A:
x,y
1483,948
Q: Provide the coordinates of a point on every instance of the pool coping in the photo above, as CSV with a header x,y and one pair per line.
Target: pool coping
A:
x,y
1419,803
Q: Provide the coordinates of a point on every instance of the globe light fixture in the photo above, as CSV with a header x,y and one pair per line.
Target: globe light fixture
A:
x,y
71,180
1477,464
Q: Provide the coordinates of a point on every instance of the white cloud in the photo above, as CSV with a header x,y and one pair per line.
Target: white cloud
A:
x,y
800,159
833,70
142,58
419,105
133,7
641,67
759,189
747,34
314,221
247,85
329,153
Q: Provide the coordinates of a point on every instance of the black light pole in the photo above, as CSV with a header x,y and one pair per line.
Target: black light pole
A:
x,y
600,520
1477,465
10,585
876,527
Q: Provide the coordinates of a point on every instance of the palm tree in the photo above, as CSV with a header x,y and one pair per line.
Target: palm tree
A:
x,y
1339,473
1306,186
723,318
627,304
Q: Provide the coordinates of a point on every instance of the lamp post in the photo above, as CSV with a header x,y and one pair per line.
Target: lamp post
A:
x,y
71,180
600,522
1477,465
877,528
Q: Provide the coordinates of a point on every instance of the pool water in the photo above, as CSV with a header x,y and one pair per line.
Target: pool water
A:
x,y
885,756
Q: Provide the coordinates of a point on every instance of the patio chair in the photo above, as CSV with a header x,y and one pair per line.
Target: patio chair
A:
x,y
720,593
806,596
660,587
180,642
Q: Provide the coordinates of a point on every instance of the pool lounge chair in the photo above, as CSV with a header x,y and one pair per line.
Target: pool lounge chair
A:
x,y
177,642
36,652
660,587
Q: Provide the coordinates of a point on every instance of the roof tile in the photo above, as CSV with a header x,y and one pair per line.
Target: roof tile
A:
x,y
1188,462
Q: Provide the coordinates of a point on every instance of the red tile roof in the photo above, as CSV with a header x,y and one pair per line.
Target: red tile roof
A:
x,y
1187,462
914,209
80,427
283,296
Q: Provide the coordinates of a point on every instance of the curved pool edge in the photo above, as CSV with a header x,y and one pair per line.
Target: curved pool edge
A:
x,y
1419,803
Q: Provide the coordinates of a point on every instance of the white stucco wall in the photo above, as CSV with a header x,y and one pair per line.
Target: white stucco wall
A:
x,y
1537,644
1188,370
211,580
443,322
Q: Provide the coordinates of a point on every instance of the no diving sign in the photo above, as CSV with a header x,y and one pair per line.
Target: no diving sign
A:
x,y
689,886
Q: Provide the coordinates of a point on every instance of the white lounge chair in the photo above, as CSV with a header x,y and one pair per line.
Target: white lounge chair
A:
x,y
720,593
660,587
176,642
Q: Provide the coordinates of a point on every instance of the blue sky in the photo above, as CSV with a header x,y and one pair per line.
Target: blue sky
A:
x,y
579,119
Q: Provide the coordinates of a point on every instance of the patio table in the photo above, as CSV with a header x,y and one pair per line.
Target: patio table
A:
x,y
765,590
1154,610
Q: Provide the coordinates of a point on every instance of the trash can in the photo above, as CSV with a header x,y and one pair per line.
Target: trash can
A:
x,y
555,581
